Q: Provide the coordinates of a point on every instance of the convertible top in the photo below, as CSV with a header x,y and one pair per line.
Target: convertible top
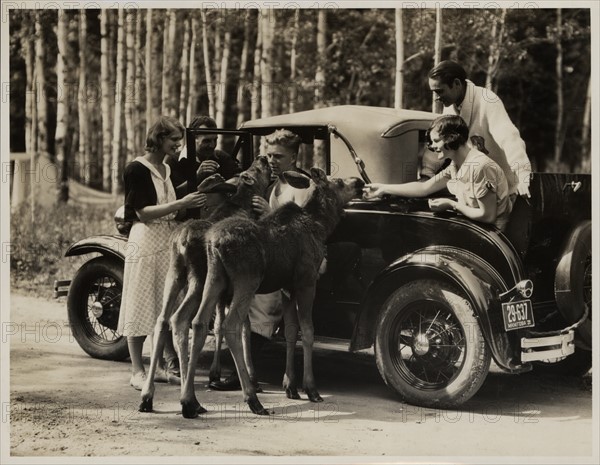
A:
x,y
386,139
350,119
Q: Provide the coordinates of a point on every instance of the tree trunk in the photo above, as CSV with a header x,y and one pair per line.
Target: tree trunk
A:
x,y
242,104
106,95
194,77
83,152
150,69
119,93
185,70
40,86
221,99
585,127
497,34
436,107
558,133
256,78
266,62
131,87
207,66
321,59
398,103
293,90
62,106
19,188
166,70
140,86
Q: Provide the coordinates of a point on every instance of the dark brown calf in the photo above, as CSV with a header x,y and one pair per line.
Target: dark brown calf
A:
x,y
283,250
187,270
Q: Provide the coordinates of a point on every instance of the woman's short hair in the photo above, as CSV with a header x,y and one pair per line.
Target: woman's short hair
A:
x,y
162,128
452,129
447,71
286,138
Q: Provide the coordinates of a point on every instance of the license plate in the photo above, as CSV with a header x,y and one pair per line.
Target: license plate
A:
x,y
517,314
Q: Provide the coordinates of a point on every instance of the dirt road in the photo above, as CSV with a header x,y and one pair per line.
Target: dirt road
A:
x,y
64,403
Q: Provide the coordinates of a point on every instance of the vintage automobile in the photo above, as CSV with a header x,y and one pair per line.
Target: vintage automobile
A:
x,y
437,295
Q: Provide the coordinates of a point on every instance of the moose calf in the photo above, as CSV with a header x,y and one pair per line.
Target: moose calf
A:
x,y
282,250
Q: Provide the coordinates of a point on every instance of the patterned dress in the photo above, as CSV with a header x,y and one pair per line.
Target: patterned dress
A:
x,y
477,176
148,248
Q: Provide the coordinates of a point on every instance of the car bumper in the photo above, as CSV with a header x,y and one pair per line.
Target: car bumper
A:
x,y
548,348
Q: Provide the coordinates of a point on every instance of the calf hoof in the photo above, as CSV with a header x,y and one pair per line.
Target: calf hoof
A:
x,y
313,395
146,405
257,407
292,393
192,409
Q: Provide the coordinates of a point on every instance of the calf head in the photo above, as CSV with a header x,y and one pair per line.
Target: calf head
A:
x,y
257,178
329,195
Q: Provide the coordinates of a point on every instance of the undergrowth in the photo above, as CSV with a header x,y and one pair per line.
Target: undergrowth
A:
x,y
37,247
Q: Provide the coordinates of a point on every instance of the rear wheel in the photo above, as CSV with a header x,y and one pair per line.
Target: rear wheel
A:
x,y
93,306
429,346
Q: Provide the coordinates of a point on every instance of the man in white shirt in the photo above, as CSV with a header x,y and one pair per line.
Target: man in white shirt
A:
x,y
485,115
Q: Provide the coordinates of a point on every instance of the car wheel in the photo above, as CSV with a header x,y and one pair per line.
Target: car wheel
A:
x,y
429,347
93,305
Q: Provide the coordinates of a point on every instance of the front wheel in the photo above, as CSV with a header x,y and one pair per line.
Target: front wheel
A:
x,y
93,306
429,347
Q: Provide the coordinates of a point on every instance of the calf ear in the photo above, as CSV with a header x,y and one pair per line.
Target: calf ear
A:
x,y
210,182
318,175
246,179
297,180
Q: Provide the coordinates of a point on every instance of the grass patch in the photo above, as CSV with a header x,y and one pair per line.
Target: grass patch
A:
x,y
37,249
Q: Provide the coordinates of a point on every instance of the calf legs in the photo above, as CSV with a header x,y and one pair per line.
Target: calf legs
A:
x,y
304,301
235,324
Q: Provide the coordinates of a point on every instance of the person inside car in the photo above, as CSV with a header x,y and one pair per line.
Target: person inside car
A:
x,y
478,182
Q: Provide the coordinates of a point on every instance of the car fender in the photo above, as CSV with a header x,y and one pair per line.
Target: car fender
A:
x,y
479,282
111,246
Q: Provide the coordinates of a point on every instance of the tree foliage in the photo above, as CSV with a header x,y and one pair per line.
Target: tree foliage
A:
x,y
223,58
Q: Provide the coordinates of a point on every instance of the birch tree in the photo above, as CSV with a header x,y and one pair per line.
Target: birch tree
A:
x,y
150,68
83,152
185,69
293,91
221,98
167,56
321,58
558,132
436,107
130,85
140,85
64,73
119,104
242,104
497,39
40,104
586,124
266,63
399,86
107,92
207,65
194,77
256,76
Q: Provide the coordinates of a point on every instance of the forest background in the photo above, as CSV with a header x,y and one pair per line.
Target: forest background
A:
x,y
85,83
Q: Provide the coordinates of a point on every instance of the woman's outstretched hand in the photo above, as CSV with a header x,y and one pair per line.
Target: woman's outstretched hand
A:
x,y
373,191
440,205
